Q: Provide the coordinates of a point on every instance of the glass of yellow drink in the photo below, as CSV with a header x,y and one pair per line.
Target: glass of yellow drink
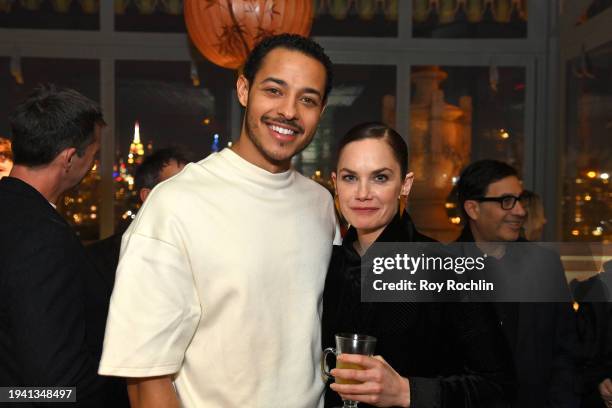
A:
x,y
348,344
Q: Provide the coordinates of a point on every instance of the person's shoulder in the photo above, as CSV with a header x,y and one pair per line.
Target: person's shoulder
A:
x,y
39,239
215,164
538,250
420,237
26,213
36,219
312,187
596,288
20,200
337,253
191,179
105,246
55,229
540,257
336,266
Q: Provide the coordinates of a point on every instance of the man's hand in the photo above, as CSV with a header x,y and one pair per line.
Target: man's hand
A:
x,y
605,390
152,392
380,385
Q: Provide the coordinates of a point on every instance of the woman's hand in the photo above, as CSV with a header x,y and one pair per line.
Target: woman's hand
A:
x,y
380,386
605,390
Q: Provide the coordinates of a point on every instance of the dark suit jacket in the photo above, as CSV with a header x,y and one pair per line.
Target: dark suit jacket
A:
x,y
104,255
594,318
542,337
52,302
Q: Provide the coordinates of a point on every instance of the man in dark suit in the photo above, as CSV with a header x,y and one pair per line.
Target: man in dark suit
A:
x,y
49,292
159,166
541,335
594,316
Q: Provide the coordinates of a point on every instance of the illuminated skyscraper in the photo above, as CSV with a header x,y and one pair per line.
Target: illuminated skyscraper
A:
x,y
136,154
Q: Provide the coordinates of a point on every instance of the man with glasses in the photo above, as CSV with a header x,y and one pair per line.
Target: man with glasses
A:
x,y
491,197
541,335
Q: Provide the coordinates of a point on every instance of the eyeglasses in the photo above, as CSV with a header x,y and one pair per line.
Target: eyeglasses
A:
x,y
507,202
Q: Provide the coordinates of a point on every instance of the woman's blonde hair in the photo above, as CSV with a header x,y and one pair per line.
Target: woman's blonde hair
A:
x,y
535,220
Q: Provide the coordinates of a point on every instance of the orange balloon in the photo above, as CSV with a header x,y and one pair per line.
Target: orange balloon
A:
x,y
225,31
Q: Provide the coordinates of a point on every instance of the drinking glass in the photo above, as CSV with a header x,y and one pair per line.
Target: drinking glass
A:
x,y
348,344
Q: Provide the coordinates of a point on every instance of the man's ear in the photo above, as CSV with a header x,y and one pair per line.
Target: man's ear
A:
x,y
472,209
334,179
143,194
66,157
242,90
407,185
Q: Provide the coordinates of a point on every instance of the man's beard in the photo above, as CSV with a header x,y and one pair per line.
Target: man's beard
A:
x,y
268,155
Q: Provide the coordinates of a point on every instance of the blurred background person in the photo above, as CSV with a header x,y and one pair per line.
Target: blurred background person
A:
x,y
6,157
431,354
104,254
159,166
533,226
594,322
541,335
155,168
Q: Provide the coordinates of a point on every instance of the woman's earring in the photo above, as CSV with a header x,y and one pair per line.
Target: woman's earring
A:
x,y
341,218
401,204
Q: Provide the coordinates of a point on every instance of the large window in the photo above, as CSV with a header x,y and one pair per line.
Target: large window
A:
x,y
459,115
173,104
587,197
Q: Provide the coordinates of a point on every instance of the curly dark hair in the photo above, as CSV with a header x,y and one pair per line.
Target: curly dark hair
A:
x,y
148,173
292,42
476,178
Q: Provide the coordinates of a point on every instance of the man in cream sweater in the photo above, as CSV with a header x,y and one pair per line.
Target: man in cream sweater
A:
x,y
217,297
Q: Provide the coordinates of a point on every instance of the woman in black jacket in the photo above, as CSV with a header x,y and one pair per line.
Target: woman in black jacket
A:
x,y
431,354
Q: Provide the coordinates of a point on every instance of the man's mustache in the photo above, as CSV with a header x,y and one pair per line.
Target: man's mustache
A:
x,y
284,121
